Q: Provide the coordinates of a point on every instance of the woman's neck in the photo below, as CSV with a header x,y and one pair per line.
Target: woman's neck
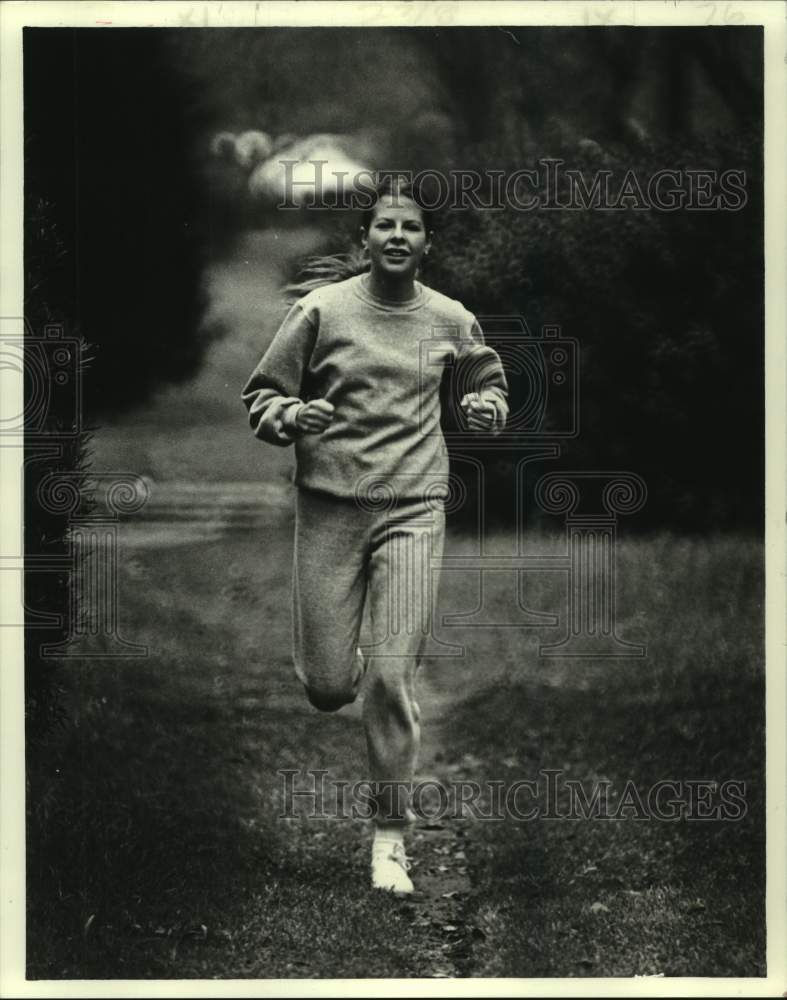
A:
x,y
391,288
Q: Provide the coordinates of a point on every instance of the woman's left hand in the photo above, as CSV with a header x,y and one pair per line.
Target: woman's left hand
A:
x,y
480,412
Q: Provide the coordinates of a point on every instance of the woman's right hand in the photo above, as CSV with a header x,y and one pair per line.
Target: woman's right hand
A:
x,y
313,417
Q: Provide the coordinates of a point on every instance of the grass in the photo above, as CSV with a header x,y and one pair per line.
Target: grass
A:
x,y
623,896
154,848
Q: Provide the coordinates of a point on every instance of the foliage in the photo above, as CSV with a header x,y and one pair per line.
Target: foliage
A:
x,y
667,307
108,147
59,443
668,311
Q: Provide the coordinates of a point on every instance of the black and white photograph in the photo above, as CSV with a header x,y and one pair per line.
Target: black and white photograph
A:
x,y
386,418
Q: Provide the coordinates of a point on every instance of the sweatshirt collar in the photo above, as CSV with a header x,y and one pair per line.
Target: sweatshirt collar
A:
x,y
388,305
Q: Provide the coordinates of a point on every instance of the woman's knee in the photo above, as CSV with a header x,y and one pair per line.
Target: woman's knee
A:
x,y
329,697
330,685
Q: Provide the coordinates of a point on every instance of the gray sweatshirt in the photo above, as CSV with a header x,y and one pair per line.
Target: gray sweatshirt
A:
x,y
380,364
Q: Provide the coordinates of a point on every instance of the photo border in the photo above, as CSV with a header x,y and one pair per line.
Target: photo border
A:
x,y
14,14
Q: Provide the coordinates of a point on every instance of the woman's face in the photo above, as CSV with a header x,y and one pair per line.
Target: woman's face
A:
x,y
397,239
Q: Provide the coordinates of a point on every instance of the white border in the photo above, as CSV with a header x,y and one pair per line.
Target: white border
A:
x,y
13,15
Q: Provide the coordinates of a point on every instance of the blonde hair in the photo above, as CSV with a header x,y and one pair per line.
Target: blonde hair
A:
x,y
319,271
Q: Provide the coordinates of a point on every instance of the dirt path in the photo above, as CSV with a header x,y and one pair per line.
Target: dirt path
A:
x,y
191,446
183,513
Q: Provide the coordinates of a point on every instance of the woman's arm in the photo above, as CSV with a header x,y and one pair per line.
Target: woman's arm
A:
x,y
481,382
272,393
271,415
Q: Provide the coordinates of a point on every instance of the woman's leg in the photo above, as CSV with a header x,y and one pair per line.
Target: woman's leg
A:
x,y
329,586
405,545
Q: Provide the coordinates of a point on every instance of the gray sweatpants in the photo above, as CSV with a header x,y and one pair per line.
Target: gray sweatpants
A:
x,y
345,554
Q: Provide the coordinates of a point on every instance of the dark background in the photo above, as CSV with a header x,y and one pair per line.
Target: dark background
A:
x,y
667,307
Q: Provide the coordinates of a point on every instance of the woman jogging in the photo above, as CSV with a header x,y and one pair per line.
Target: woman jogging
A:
x,y
353,378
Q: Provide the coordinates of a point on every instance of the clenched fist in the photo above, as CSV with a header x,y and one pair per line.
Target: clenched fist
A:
x,y
479,410
313,417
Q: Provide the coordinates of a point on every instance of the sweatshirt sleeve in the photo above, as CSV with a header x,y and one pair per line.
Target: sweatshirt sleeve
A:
x,y
479,369
274,387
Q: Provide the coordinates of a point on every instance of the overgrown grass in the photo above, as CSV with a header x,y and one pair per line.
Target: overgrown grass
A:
x,y
154,848
633,896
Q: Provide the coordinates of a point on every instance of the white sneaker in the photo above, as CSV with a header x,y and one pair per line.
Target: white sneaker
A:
x,y
390,867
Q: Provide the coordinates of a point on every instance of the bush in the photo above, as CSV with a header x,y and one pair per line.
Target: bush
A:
x,y
668,310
